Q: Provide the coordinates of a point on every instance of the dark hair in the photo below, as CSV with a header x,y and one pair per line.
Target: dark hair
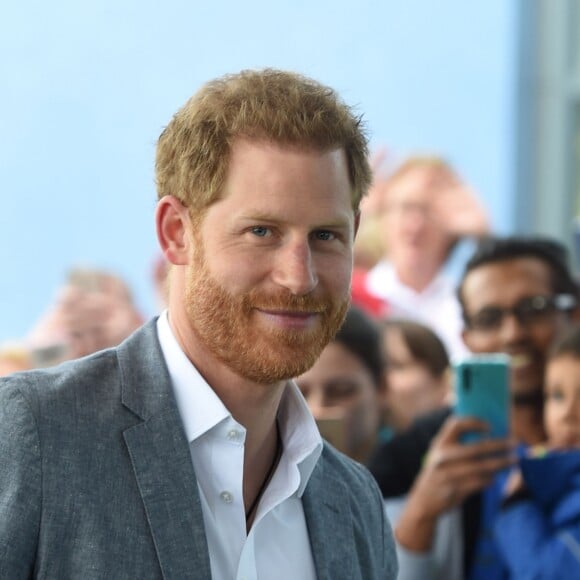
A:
x,y
501,249
360,335
567,343
423,344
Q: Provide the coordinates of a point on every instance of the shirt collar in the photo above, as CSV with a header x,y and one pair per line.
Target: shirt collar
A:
x,y
201,409
300,435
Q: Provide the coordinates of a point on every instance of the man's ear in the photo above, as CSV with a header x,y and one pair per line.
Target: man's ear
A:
x,y
173,225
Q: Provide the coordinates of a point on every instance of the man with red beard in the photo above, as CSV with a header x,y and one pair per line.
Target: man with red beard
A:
x,y
188,451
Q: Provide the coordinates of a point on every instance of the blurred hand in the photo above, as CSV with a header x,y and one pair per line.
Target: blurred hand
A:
x,y
458,209
452,471
372,203
514,483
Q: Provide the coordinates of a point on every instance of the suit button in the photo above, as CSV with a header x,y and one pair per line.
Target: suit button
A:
x,y
226,497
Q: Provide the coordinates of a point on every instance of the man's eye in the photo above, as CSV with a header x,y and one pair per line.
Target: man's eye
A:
x,y
340,389
324,235
260,231
398,365
555,395
487,319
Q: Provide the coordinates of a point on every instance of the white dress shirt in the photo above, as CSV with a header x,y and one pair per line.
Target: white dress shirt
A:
x,y
277,545
436,306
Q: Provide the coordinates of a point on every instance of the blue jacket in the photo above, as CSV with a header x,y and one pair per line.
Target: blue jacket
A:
x,y
538,537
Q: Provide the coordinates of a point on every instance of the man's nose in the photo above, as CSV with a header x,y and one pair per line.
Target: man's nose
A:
x,y
512,329
294,268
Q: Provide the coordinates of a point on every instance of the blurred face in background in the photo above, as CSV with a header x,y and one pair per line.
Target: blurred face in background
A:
x,y
13,361
412,389
562,402
343,397
414,236
503,286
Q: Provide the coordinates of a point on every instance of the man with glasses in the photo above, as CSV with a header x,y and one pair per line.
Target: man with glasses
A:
x,y
516,295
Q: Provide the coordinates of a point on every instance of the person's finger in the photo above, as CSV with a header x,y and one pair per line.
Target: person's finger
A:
x,y
470,485
474,450
455,426
488,446
435,492
441,490
476,466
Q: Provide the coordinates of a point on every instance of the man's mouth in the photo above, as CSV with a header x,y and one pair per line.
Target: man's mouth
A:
x,y
296,319
520,360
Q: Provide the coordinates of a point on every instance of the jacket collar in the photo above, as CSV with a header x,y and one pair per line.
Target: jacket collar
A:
x,y
159,452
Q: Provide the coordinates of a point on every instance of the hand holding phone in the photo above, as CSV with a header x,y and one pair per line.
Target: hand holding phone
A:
x,y
451,472
482,390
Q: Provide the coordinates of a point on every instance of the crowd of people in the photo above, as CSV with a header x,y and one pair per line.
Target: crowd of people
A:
x,y
378,386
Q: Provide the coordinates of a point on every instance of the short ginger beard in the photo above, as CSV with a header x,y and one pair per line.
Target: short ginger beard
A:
x,y
229,328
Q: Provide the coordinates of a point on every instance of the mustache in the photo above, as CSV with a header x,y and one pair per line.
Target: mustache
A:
x,y
285,300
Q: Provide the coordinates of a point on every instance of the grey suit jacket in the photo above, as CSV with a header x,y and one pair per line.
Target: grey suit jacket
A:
x,y
96,480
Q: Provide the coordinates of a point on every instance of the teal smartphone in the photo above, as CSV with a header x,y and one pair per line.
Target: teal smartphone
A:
x,y
482,390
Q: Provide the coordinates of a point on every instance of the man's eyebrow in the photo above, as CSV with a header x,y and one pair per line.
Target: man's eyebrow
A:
x,y
336,223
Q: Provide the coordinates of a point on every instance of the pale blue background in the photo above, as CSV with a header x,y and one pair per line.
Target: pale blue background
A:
x,y
88,86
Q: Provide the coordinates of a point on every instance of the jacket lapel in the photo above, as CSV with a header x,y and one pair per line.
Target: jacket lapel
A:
x,y
327,507
161,460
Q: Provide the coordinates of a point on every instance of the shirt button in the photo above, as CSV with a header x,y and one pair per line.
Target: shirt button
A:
x,y
233,435
226,497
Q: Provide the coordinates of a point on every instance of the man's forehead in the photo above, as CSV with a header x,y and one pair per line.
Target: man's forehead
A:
x,y
506,281
420,179
268,179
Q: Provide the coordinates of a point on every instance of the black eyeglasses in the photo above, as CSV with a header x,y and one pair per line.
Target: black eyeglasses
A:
x,y
527,311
